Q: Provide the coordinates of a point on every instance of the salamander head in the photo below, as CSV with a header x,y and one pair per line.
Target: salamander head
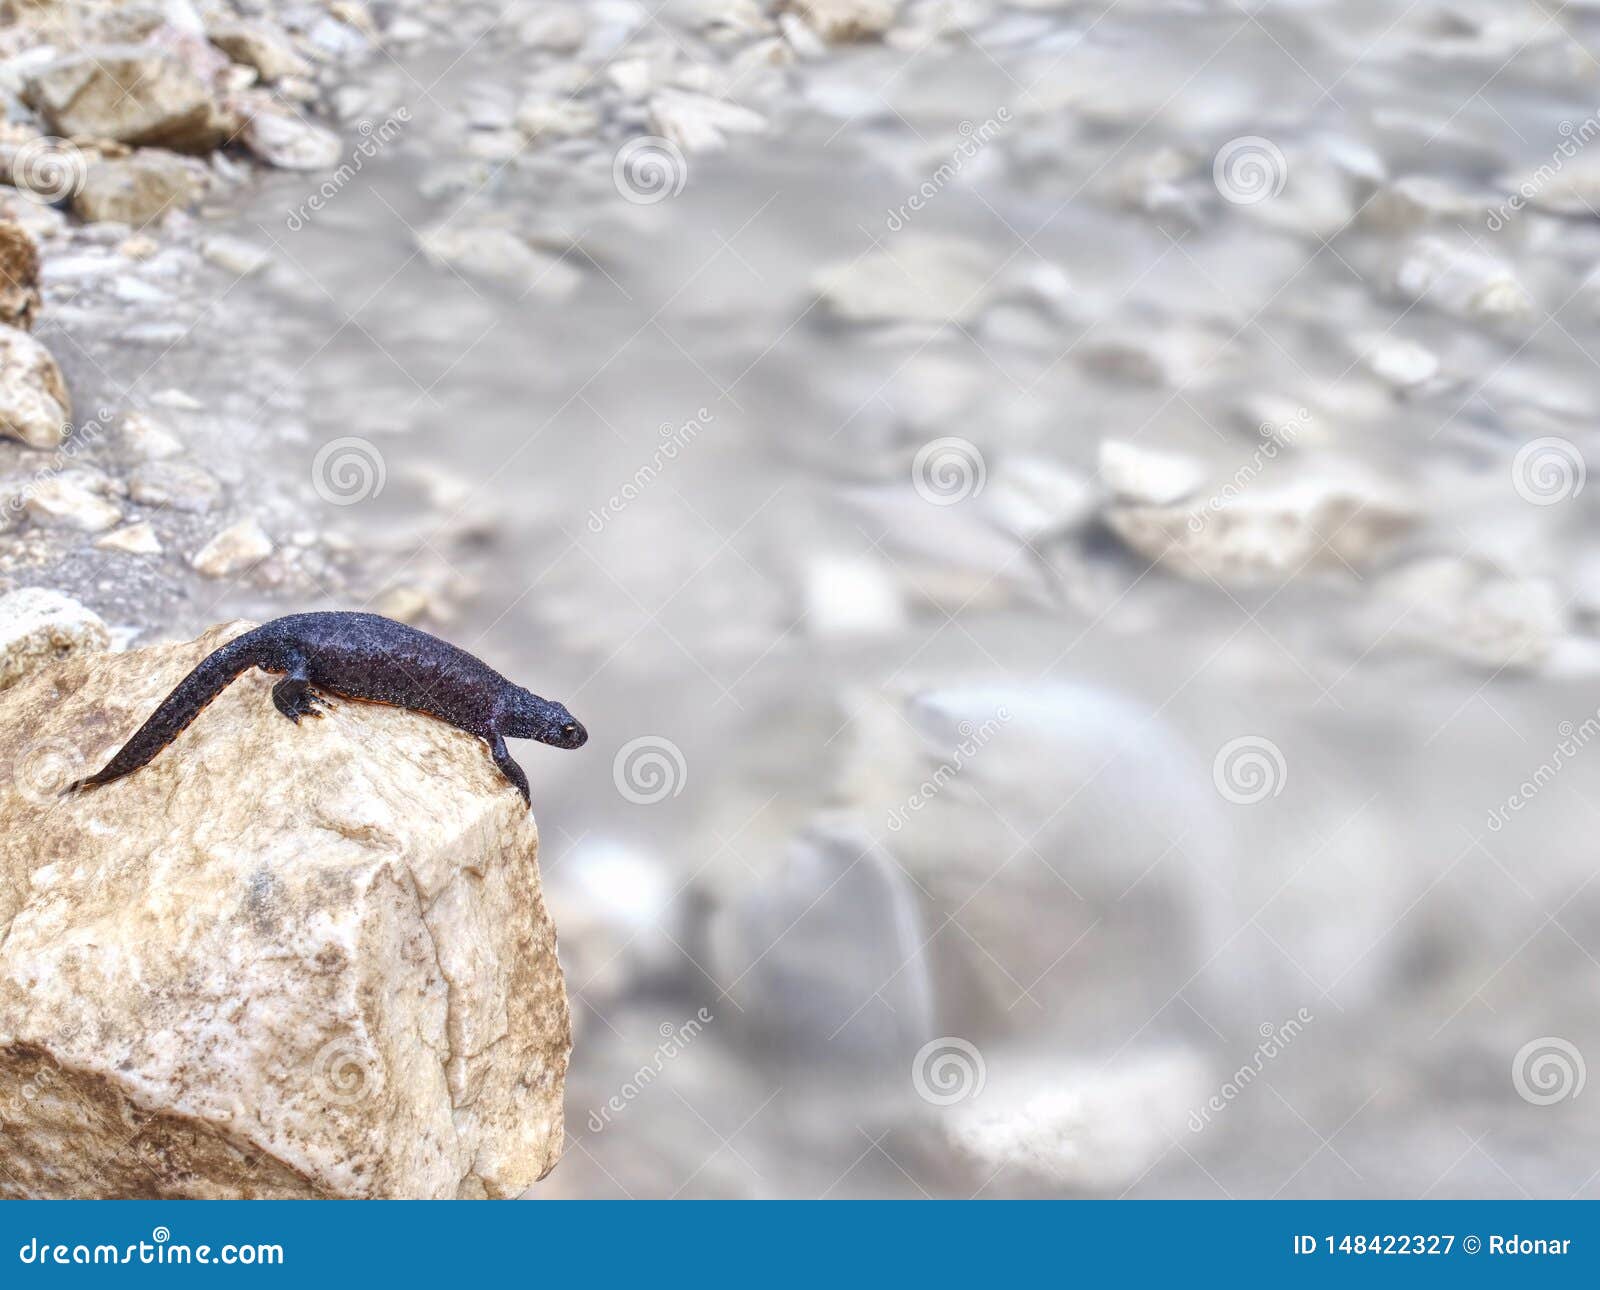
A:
x,y
545,720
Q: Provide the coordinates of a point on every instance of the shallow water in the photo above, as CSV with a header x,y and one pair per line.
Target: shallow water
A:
x,y
1110,915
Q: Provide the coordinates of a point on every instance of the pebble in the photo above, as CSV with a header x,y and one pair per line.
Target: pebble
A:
x,y
923,278
289,142
700,123
66,502
541,116
1461,281
131,539
148,439
236,548
501,256
236,255
178,485
1403,364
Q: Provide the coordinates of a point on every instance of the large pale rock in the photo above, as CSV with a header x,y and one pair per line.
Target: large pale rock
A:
x,y
281,960
39,626
135,94
34,406
140,188
1255,532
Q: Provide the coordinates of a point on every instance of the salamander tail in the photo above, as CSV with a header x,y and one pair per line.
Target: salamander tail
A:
x,y
171,718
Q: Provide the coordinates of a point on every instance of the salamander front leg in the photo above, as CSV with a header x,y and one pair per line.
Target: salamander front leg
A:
x,y
294,697
509,768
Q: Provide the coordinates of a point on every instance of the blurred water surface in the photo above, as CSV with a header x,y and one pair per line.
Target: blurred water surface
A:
x,y
911,764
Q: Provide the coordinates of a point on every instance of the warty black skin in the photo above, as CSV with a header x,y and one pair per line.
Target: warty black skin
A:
x,y
365,657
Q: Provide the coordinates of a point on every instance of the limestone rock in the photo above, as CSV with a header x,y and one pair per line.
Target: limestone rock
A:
x,y
1266,532
233,550
132,539
261,47
19,276
34,406
500,255
1461,281
844,20
1472,611
66,501
286,141
138,189
39,626
921,278
135,94
700,123
148,439
279,961
178,484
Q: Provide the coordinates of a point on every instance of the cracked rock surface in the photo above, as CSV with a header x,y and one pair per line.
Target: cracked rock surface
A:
x,y
278,961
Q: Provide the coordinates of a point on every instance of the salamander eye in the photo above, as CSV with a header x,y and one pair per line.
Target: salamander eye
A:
x,y
570,730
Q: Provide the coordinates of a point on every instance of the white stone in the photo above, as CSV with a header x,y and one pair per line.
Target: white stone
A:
x,y
34,406
66,502
237,548
851,596
39,627
700,123
1148,476
915,278
1461,281
236,255
132,539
